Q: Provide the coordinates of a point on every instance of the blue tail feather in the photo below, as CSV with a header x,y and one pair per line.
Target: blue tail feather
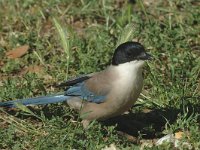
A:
x,y
36,101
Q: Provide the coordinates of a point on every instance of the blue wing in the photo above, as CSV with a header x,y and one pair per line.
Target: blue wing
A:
x,y
80,90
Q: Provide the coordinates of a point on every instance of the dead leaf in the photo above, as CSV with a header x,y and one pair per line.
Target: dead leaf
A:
x,y
17,52
179,135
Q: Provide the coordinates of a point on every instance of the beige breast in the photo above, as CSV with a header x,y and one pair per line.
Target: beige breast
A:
x,y
125,90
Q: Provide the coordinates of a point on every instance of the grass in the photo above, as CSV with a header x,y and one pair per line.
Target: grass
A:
x,y
170,98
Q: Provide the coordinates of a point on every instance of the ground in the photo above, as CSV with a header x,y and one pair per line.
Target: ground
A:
x,y
46,42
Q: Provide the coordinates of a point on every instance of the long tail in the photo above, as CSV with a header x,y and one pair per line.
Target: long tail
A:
x,y
36,101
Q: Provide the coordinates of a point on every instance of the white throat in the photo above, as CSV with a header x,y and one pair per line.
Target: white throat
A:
x,y
130,69
129,77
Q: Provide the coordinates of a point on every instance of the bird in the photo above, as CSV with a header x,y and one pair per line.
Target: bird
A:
x,y
105,94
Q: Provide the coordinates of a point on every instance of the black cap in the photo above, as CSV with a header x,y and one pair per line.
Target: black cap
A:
x,y
129,51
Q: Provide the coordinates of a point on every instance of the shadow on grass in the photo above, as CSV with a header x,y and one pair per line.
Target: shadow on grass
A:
x,y
148,124
151,123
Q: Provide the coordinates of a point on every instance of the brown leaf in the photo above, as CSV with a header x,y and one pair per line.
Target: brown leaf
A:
x,y
179,135
17,52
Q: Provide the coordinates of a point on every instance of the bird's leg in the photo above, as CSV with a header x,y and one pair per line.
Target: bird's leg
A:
x,y
77,104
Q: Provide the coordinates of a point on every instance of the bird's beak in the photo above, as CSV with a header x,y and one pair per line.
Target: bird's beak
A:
x,y
148,56
145,56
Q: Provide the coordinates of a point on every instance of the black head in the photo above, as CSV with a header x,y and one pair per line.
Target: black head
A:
x,y
129,51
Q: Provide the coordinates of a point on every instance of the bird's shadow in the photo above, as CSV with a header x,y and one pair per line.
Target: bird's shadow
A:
x,y
146,124
150,123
